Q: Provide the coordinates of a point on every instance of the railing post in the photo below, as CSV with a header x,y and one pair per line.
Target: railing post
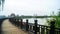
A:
x,y
35,27
52,27
18,22
21,24
27,25
59,31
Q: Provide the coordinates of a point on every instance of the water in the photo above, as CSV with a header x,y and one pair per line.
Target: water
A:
x,y
42,21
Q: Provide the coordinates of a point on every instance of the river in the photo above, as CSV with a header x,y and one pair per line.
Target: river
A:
x,y
42,21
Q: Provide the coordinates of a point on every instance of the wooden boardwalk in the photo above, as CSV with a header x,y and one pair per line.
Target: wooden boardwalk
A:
x,y
8,28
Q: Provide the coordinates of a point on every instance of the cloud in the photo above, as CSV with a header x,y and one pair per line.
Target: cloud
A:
x,y
29,7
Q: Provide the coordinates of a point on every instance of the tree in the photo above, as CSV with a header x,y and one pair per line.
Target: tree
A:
x,y
58,19
2,3
59,12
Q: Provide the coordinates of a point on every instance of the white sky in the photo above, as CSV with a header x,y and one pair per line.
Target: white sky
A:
x,y
31,7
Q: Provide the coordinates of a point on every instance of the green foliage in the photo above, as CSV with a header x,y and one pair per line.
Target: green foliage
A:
x,y
57,24
58,20
59,14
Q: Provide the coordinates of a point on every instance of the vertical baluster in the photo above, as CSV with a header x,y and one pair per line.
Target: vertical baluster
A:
x,y
59,31
47,30
21,24
42,30
39,29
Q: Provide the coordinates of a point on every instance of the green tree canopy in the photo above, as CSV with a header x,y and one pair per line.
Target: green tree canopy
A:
x,y
59,13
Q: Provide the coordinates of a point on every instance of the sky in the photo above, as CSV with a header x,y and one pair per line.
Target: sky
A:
x,y
31,7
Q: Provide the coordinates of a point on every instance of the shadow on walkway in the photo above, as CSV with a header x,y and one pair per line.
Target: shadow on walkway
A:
x,y
1,26
1,21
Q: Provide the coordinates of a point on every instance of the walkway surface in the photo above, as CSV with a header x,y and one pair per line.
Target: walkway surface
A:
x,y
8,28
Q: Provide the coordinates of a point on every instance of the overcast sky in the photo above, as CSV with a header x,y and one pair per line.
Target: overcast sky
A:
x,y
31,7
